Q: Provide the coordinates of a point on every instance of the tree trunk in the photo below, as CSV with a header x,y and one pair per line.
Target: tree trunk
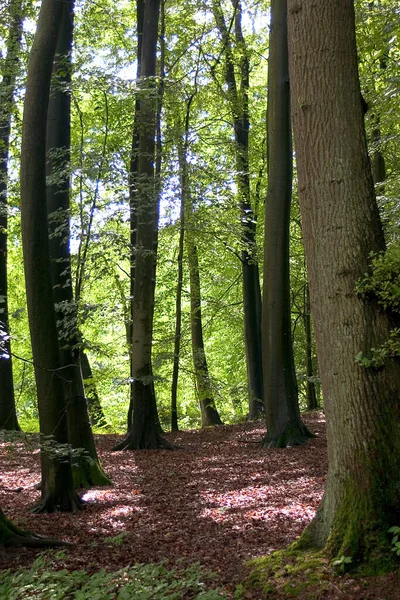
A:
x,y
341,228
284,424
239,105
8,415
96,412
311,393
209,412
178,322
58,491
87,470
144,431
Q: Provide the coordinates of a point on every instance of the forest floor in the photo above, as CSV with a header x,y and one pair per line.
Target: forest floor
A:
x,y
220,501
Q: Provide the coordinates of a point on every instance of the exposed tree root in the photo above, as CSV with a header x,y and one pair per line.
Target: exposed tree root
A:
x,y
155,442
50,504
10,536
292,435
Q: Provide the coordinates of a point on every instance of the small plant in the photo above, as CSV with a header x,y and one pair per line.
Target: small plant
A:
x,y
340,563
395,540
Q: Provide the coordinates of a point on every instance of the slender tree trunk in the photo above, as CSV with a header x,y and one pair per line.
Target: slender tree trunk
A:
x,y
284,424
341,228
86,467
209,412
96,412
178,322
58,491
239,105
311,393
8,415
144,432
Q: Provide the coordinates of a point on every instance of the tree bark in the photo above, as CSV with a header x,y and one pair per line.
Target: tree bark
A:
x,y
58,493
95,409
282,413
8,415
87,470
341,227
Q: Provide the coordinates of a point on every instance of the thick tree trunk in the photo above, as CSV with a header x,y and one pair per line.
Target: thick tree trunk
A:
x,y
341,228
144,431
8,415
87,470
239,105
282,413
58,492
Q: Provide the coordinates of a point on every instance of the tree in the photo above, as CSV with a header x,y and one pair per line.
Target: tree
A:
x,y
238,98
144,431
87,470
341,228
284,424
58,491
9,71
209,412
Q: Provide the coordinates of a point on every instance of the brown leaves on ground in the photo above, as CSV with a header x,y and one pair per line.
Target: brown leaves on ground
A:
x,y
220,501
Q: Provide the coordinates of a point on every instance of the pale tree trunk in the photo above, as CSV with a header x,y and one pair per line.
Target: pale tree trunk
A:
x,y
341,227
87,470
58,491
9,71
282,413
237,79
144,432
205,394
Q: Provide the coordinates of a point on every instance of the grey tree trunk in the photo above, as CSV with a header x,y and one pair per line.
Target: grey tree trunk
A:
x,y
282,413
58,492
341,227
11,65
86,467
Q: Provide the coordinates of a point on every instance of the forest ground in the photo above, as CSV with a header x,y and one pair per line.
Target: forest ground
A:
x,y
220,501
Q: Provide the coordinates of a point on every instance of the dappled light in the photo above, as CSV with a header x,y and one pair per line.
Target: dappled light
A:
x,y
220,500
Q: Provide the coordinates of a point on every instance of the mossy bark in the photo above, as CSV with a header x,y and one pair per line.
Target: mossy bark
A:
x,y
87,470
341,228
10,535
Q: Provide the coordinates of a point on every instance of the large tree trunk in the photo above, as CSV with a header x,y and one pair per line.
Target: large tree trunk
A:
x,y
144,431
58,491
8,415
87,470
95,408
341,228
284,424
237,95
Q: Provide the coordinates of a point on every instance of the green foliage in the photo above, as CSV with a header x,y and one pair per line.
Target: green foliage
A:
x,y
340,564
139,582
395,539
382,283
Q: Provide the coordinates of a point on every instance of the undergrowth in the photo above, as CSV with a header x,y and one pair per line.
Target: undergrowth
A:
x,y
138,582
